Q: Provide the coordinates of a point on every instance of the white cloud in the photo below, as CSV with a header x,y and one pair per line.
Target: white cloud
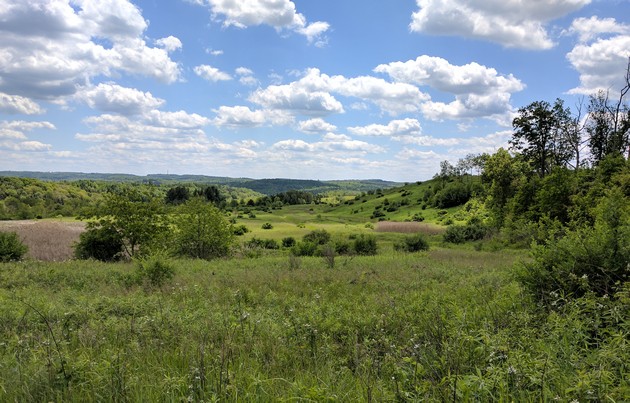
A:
x,y
479,91
312,94
296,98
315,126
601,59
280,14
211,73
405,127
117,99
51,48
13,135
170,43
242,116
15,104
246,76
332,143
512,23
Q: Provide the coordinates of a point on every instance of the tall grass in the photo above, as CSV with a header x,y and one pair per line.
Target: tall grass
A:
x,y
437,326
46,240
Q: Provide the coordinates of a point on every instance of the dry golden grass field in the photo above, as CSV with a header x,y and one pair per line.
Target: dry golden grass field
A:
x,y
46,240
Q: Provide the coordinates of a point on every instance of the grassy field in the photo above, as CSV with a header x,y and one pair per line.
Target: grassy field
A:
x,y
443,325
450,324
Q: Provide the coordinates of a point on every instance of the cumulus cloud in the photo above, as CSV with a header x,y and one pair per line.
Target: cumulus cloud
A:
x,y
479,91
117,99
316,126
602,55
15,104
280,14
312,94
246,76
170,43
51,48
405,127
331,143
511,23
211,73
13,135
243,116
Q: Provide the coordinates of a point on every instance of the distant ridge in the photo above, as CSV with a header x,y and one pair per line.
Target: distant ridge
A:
x,y
264,186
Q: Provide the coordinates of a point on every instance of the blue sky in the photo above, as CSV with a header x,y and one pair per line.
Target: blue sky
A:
x,y
325,89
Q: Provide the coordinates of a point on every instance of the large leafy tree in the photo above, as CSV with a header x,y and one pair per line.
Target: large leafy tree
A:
x,y
136,217
540,135
202,231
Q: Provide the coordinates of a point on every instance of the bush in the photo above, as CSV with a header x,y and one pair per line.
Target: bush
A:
x,y
317,237
288,242
240,230
413,243
267,226
365,245
102,243
304,248
11,247
591,260
203,232
463,233
155,269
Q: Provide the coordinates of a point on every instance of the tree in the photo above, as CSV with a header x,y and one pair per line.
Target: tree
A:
x,y
202,230
211,193
540,137
137,218
501,172
177,195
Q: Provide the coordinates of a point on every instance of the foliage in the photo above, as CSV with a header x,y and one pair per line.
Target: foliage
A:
x,y
304,248
587,260
365,244
240,230
453,194
317,237
99,242
155,269
412,243
177,195
202,231
11,247
288,242
267,226
462,233
138,218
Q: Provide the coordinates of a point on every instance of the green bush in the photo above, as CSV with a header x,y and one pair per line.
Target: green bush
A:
x,y
589,260
11,247
464,233
317,237
365,245
304,248
240,230
412,243
288,242
101,243
155,269
267,226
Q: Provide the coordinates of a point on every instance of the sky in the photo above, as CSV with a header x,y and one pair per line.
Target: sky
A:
x,y
302,89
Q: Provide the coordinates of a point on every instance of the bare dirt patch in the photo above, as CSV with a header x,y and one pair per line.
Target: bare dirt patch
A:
x,y
46,240
409,227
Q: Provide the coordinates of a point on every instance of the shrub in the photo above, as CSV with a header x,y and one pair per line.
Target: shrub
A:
x,y
365,245
317,237
418,217
288,242
156,269
262,243
11,247
463,233
240,230
587,260
102,243
267,226
304,248
412,243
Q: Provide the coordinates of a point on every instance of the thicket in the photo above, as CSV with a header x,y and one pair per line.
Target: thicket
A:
x,y
11,247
